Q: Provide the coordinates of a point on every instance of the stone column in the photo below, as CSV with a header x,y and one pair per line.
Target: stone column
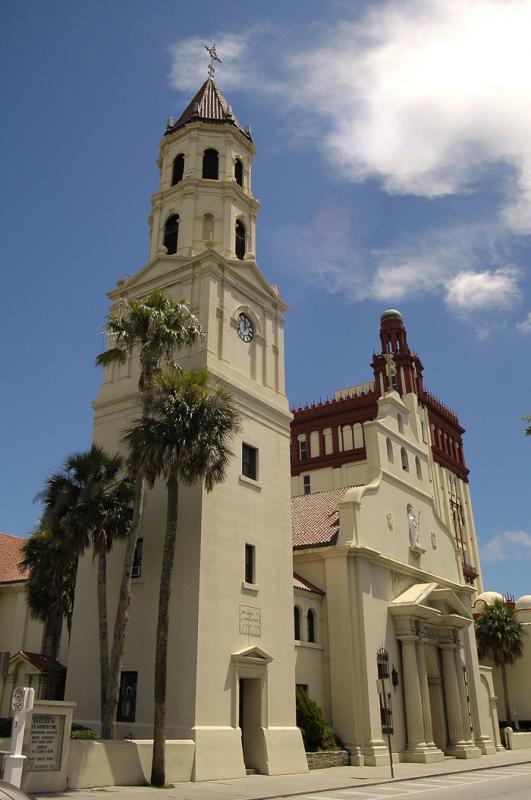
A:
x,y
425,696
467,732
452,697
413,698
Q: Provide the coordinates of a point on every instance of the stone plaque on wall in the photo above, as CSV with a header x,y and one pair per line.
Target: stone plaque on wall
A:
x,y
250,620
46,742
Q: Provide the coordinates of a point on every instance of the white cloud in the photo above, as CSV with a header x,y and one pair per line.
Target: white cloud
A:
x,y
511,545
475,291
427,95
525,325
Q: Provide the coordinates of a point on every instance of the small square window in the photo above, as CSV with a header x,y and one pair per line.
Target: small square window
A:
x,y
136,571
127,697
250,551
307,484
249,461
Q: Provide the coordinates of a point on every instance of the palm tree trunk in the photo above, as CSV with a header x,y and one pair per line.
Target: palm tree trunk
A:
x,y
506,694
158,769
55,623
103,627
108,730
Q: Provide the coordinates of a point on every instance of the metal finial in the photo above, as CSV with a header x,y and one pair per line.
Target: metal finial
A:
x,y
213,57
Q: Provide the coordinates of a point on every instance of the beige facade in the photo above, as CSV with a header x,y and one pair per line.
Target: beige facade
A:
x,y
231,657
391,572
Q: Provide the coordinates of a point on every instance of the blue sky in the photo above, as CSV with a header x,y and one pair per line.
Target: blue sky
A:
x,y
394,169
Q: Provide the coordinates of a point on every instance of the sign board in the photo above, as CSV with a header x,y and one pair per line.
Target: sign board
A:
x,y
46,742
250,621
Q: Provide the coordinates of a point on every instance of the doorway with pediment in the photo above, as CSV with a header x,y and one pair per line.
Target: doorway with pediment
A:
x,y
250,705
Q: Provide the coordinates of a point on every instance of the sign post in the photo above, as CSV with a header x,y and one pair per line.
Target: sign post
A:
x,y
386,713
22,703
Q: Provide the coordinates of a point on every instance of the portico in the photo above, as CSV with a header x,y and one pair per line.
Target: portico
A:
x,y
430,624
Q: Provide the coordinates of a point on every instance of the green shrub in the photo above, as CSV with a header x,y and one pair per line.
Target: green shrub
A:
x,y
316,734
82,732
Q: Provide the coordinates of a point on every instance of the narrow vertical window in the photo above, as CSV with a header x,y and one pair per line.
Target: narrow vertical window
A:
x,y
250,551
418,468
400,423
307,484
136,571
310,625
297,622
404,460
303,450
238,172
178,169
171,233
249,461
390,456
211,164
240,239
127,697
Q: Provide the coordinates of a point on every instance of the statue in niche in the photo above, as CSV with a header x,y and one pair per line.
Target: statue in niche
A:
x,y
390,371
414,522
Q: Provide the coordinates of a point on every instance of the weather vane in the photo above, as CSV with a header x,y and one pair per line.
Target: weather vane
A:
x,y
213,57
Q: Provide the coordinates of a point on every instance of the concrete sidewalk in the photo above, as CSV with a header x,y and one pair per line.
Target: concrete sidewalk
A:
x,y
261,787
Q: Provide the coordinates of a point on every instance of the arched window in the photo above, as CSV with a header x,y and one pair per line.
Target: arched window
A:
x,y
404,460
418,468
208,227
310,626
171,233
240,239
297,621
178,169
346,431
238,172
389,444
210,164
400,422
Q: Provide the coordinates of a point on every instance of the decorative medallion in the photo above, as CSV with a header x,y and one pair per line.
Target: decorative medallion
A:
x,y
401,582
17,702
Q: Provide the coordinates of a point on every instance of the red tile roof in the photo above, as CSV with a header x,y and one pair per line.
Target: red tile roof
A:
x,y
208,105
37,660
315,518
302,583
10,555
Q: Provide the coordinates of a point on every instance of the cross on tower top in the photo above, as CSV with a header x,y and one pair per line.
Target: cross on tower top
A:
x,y
213,57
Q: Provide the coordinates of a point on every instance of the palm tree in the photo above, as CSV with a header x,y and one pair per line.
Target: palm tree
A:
x,y
499,638
185,439
154,327
50,590
88,504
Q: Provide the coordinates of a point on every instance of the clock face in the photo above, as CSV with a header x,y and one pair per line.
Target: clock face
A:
x,y
244,327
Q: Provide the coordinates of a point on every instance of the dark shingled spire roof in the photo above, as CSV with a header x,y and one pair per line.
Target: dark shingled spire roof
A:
x,y
208,105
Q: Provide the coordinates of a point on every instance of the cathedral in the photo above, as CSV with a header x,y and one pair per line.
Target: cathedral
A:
x,y
353,579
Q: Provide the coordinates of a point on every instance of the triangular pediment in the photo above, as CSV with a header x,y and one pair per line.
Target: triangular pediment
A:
x,y
163,271
252,654
429,601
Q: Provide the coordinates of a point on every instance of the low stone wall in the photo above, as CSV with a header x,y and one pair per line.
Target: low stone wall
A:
x,y
328,758
125,762
517,740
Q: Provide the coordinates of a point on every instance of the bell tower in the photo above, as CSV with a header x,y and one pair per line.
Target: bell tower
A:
x,y
205,198
231,659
